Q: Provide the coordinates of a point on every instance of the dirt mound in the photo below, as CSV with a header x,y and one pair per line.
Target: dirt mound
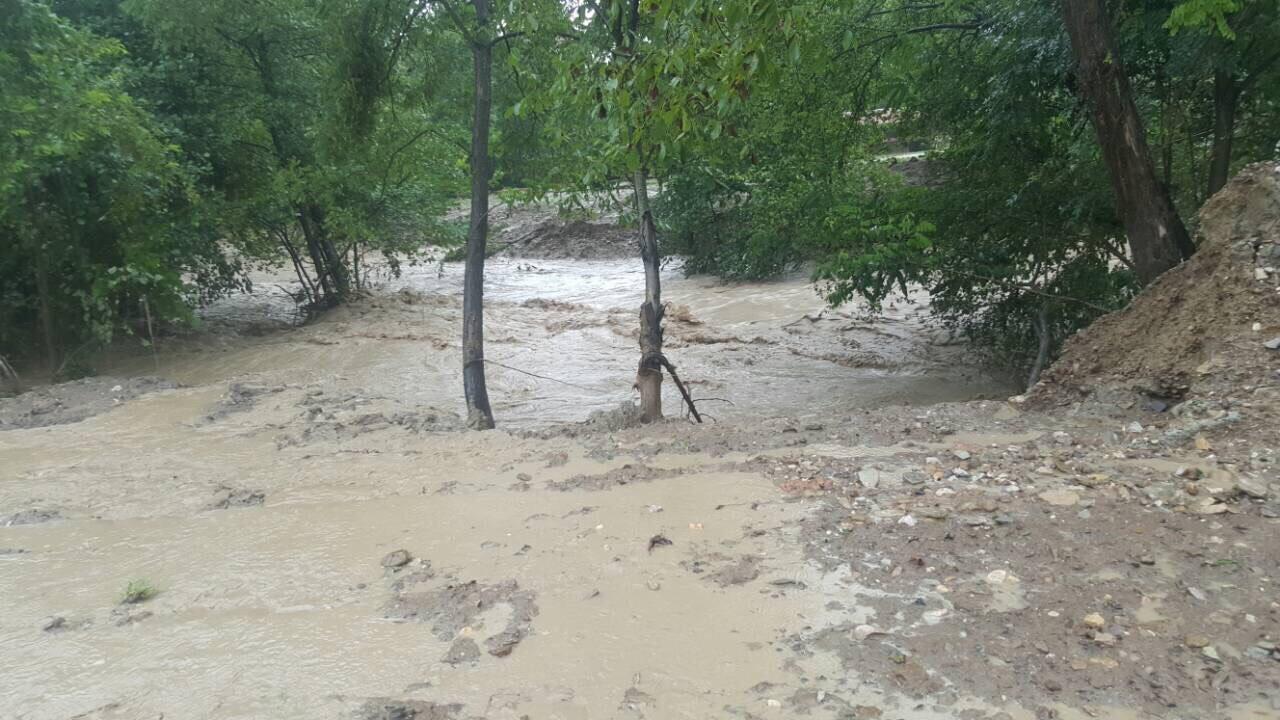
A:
x,y
556,238
1209,323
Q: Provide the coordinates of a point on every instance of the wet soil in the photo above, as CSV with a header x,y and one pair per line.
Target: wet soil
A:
x,y
73,401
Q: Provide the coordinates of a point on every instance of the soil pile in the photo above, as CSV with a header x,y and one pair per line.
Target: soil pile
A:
x,y
557,238
1212,323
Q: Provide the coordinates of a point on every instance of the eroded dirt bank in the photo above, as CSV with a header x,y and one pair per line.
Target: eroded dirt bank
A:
x,y
326,544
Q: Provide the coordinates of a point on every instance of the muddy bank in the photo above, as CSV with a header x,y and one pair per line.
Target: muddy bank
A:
x,y
71,402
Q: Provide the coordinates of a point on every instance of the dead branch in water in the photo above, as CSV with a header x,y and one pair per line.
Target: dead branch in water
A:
x,y
488,361
806,316
688,399
8,374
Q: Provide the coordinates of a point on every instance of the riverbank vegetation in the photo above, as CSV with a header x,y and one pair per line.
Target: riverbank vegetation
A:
x,y
1029,164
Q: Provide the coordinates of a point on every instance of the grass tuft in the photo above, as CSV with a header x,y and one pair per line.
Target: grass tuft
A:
x,y
138,591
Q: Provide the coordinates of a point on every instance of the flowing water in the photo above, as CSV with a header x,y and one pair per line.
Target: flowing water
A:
x,y
282,609
759,348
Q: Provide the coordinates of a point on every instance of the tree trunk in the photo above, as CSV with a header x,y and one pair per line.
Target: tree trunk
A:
x,y
1166,133
334,260
46,314
1043,345
314,248
649,376
479,414
1157,238
1225,95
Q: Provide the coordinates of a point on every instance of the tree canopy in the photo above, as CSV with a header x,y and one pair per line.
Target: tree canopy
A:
x,y
154,151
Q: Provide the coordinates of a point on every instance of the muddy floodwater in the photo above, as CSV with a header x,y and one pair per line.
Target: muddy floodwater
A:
x,y
770,348
325,542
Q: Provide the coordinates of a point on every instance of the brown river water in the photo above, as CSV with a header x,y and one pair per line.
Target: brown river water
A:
x,y
263,522
768,348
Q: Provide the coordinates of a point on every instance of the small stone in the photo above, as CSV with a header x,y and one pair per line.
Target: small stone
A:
x,y
1260,274
961,454
1095,621
653,585
996,577
1251,487
1052,685
1272,344
1095,480
55,624
933,513
1134,427
1060,498
463,650
1196,641
1211,653
1105,639
396,559
1209,506
869,478
862,632
908,520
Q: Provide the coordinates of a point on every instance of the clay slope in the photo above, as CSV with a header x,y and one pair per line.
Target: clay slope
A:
x,y
1203,326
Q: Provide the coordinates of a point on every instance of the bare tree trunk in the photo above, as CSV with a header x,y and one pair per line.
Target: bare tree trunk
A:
x,y
1166,133
649,376
1041,323
1225,96
479,414
1157,238
46,313
318,260
333,259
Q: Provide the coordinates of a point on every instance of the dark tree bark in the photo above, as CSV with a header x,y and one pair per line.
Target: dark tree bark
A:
x,y
51,355
1225,96
479,414
314,248
649,376
1158,239
330,268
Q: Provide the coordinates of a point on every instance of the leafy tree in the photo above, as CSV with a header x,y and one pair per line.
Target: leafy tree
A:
x,y
657,78
102,226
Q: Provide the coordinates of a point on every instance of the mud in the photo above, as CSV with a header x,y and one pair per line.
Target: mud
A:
x,y
458,611
71,402
227,497
568,239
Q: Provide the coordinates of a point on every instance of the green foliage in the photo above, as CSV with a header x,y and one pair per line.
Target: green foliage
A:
x,y
1010,216
100,219
1204,14
152,150
138,591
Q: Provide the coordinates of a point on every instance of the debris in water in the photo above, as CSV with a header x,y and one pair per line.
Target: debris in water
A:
x,y
658,540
